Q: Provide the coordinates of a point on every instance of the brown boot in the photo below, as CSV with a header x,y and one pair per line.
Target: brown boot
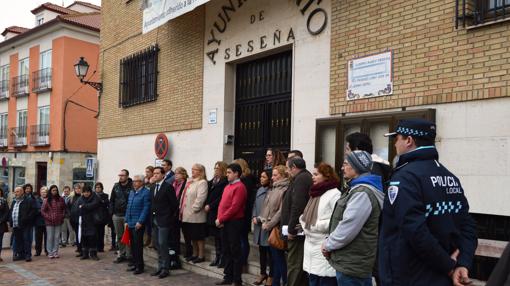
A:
x,y
269,281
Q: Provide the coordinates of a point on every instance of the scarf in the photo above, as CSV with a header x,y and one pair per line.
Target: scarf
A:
x,y
312,207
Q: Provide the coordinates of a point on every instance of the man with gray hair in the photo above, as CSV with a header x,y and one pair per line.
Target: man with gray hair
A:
x,y
137,212
294,203
22,214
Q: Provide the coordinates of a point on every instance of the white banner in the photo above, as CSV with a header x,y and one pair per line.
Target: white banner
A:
x,y
158,12
370,76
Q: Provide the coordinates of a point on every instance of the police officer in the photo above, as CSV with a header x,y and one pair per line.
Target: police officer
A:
x,y
427,235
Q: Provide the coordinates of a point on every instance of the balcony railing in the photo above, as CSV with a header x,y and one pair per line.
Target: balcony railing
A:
x,y
3,136
18,136
4,89
479,12
20,85
40,135
42,80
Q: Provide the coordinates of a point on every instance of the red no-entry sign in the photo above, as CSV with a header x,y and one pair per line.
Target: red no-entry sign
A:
x,y
161,146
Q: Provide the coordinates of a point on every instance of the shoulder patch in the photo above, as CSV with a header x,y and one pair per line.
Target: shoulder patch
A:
x,y
392,193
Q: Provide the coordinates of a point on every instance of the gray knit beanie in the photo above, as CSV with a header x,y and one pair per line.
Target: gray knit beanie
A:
x,y
360,161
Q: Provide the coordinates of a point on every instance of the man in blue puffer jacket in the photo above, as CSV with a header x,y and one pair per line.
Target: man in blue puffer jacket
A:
x,y
137,212
427,235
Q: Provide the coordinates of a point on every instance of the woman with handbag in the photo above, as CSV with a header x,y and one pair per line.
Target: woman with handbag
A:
x,y
53,210
315,223
4,217
270,219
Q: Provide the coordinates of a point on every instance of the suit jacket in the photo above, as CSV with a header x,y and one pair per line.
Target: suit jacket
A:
x,y
164,205
26,214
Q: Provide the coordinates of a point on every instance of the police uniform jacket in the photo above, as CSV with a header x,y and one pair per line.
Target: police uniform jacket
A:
x,y
425,219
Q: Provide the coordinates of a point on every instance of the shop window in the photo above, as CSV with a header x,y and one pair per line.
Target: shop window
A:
x,y
138,77
331,150
80,176
19,177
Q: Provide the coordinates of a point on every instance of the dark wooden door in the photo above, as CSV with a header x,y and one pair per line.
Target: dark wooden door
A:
x,y
263,108
42,172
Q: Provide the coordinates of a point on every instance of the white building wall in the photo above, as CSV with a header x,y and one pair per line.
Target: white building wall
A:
x,y
310,96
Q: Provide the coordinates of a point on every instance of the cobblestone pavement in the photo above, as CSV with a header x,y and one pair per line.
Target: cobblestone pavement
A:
x,y
69,270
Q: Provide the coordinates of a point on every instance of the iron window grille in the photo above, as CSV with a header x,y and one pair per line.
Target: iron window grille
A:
x,y
138,77
20,85
478,12
4,89
18,136
3,136
42,80
40,135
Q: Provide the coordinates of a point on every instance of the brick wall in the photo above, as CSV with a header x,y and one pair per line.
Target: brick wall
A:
x,y
180,79
433,62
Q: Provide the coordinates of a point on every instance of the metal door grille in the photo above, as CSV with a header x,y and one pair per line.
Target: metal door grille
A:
x,y
263,107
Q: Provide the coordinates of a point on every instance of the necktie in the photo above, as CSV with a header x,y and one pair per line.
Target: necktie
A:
x,y
157,189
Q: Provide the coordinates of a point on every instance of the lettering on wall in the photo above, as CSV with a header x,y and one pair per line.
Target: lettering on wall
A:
x,y
316,21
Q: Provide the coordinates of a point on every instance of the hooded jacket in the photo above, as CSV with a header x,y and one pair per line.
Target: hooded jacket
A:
x,y
354,227
425,219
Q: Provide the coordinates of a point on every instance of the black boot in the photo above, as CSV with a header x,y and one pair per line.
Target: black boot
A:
x,y
221,263
215,262
93,255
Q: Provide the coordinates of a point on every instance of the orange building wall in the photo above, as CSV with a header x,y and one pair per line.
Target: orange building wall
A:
x,y
80,123
11,115
32,111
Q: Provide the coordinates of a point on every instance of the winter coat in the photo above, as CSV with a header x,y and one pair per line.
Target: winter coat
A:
x,y
53,213
4,215
88,207
354,227
250,183
271,211
138,208
194,202
74,208
26,213
313,260
104,208
295,200
119,198
259,236
214,198
425,219
39,219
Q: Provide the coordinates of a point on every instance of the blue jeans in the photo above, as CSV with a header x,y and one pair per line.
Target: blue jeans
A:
x,y
279,266
315,280
23,242
346,280
160,236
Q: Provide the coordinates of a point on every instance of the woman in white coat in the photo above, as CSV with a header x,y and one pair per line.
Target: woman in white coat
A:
x,y
315,222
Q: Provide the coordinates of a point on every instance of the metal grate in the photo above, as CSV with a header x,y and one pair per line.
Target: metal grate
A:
x,y
479,12
138,77
18,136
20,85
40,135
4,89
263,108
42,80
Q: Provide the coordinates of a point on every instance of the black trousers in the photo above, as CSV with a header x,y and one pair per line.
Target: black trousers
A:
x,y
40,238
231,236
100,237
265,260
78,239
137,246
187,242
89,244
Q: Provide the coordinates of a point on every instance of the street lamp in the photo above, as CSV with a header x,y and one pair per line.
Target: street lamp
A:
x,y
81,68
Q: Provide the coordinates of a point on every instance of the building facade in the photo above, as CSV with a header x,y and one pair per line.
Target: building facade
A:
x,y
232,78
47,118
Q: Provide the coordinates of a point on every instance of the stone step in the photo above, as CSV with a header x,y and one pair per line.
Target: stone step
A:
x,y
151,260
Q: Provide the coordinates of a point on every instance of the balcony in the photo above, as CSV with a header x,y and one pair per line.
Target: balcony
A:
x,y
40,135
4,89
42,80
3,136
477,13
18,136
20,86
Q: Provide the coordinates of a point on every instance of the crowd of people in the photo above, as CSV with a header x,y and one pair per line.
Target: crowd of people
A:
x,y
310,228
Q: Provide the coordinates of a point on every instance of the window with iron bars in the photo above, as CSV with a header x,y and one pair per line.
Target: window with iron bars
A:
x,y
138,77
471,13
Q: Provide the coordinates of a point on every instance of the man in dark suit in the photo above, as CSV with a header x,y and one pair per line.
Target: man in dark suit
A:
x,y
168,173
164,219
22,214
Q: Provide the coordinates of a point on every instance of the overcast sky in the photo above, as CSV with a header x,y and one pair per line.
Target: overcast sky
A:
x,y
17,13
